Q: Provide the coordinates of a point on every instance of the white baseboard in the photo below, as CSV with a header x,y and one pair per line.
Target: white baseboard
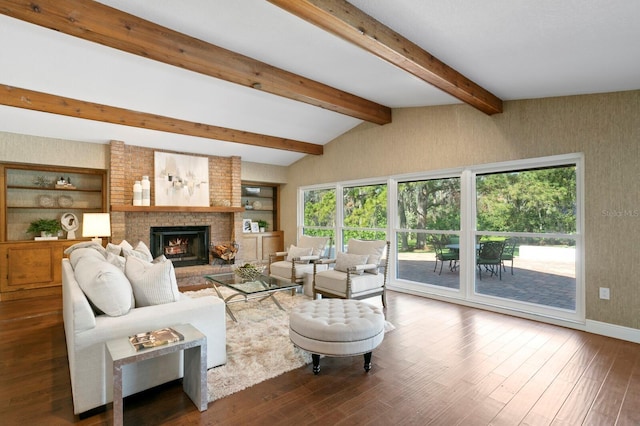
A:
x,y
612,330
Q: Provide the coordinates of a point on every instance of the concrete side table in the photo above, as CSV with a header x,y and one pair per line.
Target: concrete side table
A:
x,y
194,381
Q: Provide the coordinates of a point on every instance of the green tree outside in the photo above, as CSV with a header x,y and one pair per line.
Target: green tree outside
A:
x,y
536,201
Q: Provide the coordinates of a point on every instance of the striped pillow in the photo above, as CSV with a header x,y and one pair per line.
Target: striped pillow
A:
x,y
152,283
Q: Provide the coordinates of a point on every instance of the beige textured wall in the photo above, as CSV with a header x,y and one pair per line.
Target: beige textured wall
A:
x,y
605,127
256,172
38,150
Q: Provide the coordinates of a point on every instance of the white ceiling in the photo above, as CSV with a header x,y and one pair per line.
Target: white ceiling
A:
x,y
516,49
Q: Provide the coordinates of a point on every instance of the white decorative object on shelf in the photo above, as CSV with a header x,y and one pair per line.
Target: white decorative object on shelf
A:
x,y
46,201
137,193
70,224
146,191
65,201
42,182
257,205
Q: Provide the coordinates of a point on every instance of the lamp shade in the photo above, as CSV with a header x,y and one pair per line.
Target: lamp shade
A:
x,y
96,225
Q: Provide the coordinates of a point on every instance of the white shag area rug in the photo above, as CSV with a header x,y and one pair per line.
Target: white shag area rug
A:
x,y
258,345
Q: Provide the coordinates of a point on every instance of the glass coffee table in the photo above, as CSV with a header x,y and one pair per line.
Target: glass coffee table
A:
x,y
263,287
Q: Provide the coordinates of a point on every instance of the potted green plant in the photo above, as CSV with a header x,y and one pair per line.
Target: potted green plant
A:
x,y
45,227
263,225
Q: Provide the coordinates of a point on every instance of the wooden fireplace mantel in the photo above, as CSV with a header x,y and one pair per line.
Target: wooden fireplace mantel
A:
x,y
188,209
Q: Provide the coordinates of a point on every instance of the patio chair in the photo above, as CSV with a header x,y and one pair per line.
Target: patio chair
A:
x,y
490,256
507,253
359,274
444,254
298,259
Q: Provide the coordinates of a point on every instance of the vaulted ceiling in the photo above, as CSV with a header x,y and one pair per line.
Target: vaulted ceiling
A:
x,y
274,80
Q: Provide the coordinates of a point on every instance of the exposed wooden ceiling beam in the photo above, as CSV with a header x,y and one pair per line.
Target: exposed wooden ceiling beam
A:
x,y
44,102
111,27
344,20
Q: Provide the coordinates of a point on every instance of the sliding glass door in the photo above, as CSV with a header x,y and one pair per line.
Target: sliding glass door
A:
x,y
428,232
533,214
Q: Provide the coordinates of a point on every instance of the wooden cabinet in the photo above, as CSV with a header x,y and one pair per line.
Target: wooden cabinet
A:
x,y
31,268
260,245
260,202
30,192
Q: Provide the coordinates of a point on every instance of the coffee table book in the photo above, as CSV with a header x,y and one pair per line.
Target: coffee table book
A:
x,y
152,339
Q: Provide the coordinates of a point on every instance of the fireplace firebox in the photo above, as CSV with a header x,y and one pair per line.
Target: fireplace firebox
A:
x,y
183,245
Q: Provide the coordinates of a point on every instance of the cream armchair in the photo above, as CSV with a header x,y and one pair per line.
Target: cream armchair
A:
x,y
298,260
358,274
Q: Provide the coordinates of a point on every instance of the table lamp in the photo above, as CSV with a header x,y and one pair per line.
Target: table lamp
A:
x,y
96,225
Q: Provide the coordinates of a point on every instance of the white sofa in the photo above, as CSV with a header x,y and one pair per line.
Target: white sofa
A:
x,y
86,334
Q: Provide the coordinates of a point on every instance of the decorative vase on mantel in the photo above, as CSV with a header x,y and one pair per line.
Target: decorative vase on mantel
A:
x,y
146,191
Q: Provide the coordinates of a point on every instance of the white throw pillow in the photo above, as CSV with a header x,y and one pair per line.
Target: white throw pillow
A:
x,y
347,260
114,249
152,283
298,252
119,261
86,244
124,244
159,259
374,248
79,253
141,251
106,286
118,249
318,244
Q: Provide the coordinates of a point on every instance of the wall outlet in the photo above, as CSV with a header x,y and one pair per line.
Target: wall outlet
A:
x,y
604,293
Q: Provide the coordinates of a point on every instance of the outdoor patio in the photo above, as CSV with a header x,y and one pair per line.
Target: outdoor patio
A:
x,y
543,280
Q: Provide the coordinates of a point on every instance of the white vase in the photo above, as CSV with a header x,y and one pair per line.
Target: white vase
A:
x,y
146,191
137,193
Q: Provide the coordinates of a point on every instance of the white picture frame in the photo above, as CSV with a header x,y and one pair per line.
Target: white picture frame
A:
x,y
255,227
246,225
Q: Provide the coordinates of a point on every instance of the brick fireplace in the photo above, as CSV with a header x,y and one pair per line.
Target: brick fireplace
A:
x,y
129,163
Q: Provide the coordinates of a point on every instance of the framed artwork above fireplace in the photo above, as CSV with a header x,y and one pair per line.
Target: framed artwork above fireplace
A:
x,y
181,180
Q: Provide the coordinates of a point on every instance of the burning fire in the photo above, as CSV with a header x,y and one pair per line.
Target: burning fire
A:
x,y
178,245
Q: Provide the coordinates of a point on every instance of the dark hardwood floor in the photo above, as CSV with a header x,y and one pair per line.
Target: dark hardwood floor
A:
x,y
443,365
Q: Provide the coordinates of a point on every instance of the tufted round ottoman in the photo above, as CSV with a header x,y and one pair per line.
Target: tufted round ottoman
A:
x,y
336,327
